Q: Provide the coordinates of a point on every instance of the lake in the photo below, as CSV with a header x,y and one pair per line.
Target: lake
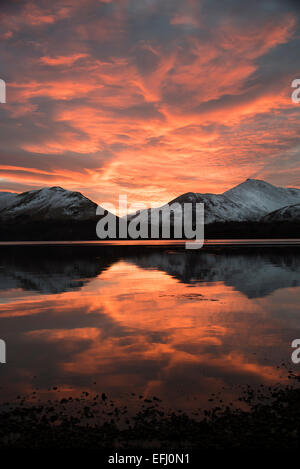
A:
x,y
149,319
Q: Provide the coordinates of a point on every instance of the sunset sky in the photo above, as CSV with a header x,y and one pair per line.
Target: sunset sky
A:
x,y
148,98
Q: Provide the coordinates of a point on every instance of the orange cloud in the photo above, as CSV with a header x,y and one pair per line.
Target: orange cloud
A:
x,y
190,109
62,60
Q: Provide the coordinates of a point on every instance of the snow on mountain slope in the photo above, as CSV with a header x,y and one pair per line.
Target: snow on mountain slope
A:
x,y
290,213
218,208
248,201
260,197
251,200
7,199
52,203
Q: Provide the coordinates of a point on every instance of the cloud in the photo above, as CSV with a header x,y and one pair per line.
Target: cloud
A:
x,y
148,99
61,60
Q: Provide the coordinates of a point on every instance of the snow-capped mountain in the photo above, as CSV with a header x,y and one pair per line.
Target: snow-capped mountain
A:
x,y
58,214
249,201
51,213
290,213
260,197
51,203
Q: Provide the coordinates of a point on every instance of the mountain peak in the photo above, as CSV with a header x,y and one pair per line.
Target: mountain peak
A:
x,y
56,188
254,183
47,203
261,197
254,186
53,189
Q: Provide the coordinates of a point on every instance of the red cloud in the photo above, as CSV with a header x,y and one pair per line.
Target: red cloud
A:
x,y
162,116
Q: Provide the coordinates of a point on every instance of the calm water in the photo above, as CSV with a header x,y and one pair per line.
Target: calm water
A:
x,y
149,320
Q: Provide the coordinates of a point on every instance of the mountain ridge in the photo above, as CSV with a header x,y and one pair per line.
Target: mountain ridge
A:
x,y
248,201
48,202
50,213
253,208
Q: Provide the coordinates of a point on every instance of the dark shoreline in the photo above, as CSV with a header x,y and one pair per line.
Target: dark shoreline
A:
x,y
26,230
272,422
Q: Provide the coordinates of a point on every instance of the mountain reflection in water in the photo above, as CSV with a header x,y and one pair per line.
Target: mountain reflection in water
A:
x,y
162,321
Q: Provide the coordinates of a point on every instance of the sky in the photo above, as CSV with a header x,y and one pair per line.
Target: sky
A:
x,y
148,98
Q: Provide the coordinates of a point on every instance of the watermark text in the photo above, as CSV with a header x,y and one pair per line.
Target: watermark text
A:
x,y
172,221
2,351
2,91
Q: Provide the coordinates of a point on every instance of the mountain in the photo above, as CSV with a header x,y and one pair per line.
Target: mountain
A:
x,y
247,202
291,213
50,203
51,213
261,197
254,208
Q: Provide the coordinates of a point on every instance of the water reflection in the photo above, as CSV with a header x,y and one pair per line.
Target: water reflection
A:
x,y
167,322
